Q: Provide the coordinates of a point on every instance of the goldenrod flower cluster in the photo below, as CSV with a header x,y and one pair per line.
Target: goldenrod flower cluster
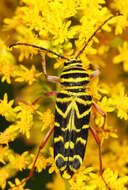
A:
x,y
63,26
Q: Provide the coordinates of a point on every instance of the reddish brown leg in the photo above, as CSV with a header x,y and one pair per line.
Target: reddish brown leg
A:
x,y
94,74
40,147
52,93
100,155
43,142
100,111
53,79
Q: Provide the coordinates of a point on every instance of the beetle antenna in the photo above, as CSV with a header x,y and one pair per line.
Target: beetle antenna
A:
x,y
81,51
41,48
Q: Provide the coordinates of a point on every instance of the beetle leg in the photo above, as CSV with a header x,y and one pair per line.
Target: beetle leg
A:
x,y
53,79
94,74
100,111
52,93
45,139
100,155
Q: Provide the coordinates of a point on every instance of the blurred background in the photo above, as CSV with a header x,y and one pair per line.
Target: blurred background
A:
x,y
63,27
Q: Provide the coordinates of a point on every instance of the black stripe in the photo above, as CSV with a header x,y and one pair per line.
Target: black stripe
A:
x,y
62,95
74,69
86,97
72,61
82,83
76,163
83,133
80,149
67,135
72,134
62,106
69,152
69,171
74,75
82,108
82,121
60,162
58,117
76,90
58,132
59,148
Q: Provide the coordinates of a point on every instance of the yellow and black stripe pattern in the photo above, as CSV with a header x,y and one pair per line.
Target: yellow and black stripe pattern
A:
x,y
72,116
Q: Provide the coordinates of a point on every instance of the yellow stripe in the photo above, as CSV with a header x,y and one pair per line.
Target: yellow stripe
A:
x,y
66,175
65,158
79,100
64,115
63,100
73,169
57,124
84,102
74,128
77,130
85,126
69,144
83,114
74,93
64,129
80,139
57,139
72,106
74,87
73,71
73,64
74,79
62,168
78,157
71,125
59,155
69,158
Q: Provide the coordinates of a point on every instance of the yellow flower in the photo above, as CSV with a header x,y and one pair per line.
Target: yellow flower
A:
x,y
85,179
3,152
41,163
64,26
3,177
114,180
57,184
17,182
7,67
7,71
120,101
122,57
47,118
9,134
120,6
51,162
6,108
30,38
25,117
27,75
116,149
19,162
